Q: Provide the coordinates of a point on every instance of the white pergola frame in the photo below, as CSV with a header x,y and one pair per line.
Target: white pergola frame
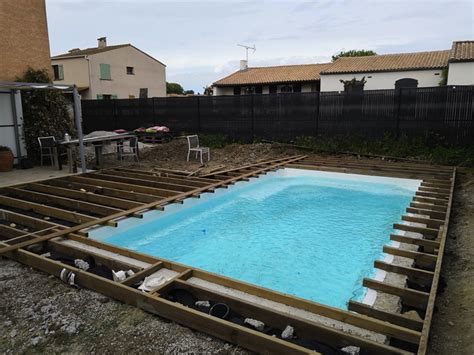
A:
x,y
16,87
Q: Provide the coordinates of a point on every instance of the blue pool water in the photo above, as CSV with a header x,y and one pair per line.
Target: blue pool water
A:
x,y
310,234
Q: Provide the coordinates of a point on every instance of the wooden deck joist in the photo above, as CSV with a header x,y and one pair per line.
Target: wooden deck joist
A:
x,y
125,185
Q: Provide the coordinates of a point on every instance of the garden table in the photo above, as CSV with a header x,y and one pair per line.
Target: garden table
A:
x,y
98,143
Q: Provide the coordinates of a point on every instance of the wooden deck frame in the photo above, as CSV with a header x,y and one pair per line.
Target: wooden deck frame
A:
x,y
373,319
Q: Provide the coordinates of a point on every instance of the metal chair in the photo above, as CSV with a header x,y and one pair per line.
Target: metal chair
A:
x,y
193,146
47,148
131,150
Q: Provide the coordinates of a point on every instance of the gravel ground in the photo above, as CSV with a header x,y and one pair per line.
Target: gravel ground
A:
x,y
40,314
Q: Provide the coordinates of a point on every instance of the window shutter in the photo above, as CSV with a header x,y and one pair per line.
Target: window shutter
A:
x,y
105,72
99,97
60,72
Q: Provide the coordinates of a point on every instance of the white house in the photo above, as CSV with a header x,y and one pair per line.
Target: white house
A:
x,y
422,69
461,63
109,72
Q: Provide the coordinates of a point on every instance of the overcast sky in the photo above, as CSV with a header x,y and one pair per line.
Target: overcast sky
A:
x,y
197,40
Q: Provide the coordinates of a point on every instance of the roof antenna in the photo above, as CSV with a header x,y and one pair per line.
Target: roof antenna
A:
x,y
247,50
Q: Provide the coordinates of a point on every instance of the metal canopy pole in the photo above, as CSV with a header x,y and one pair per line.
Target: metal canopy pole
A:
x,y
78,118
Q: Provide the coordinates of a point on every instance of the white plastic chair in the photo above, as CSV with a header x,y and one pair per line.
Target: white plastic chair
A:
x,y
193,146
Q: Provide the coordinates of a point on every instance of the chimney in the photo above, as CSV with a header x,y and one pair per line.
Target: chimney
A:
x,y
243,65
102,42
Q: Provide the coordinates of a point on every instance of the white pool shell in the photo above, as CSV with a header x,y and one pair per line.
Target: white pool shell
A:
x,y
124,224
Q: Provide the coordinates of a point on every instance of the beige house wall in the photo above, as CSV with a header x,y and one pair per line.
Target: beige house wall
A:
x,y
379,81
85,72
76,71
461,73
24,38
148,73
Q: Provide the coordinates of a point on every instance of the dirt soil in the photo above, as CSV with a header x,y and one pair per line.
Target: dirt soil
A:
x,y
39,314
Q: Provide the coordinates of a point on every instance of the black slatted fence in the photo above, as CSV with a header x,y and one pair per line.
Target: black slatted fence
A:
x,y
446,110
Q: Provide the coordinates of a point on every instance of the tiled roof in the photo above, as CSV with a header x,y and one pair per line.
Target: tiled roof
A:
x,y
462,51
276,74
89,51
390,62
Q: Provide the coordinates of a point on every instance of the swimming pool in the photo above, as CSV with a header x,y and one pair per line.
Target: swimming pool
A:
x,y
307,233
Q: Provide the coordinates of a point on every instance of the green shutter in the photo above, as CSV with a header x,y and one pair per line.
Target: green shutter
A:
x,y
114,97
99,97
105,72
60,72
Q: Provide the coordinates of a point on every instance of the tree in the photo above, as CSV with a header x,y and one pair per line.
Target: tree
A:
x,y
353,53
45,112
174,88
188,92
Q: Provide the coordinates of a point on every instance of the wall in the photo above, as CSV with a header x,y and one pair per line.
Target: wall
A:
x,y
148,74
379,81
24,37
461,73
76,71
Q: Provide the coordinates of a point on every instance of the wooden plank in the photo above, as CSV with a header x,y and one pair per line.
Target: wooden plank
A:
x,y
431,200
213,326
304,328
84,196
166,186
28,221
433,233
416,241
438,195
394,318
434,189
423,347
140,275
428,206
69,204
106,191
50,211
424,259
430,222
411,272
431,213
95,179
180,181
8,232
414,298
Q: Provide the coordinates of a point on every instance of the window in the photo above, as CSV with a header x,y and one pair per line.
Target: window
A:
x,y
236,90
248,90
130,71
105,72
143,93
106,97
58,72
272,89
286,88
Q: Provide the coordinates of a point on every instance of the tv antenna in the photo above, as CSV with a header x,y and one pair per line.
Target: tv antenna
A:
x,y
247,50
